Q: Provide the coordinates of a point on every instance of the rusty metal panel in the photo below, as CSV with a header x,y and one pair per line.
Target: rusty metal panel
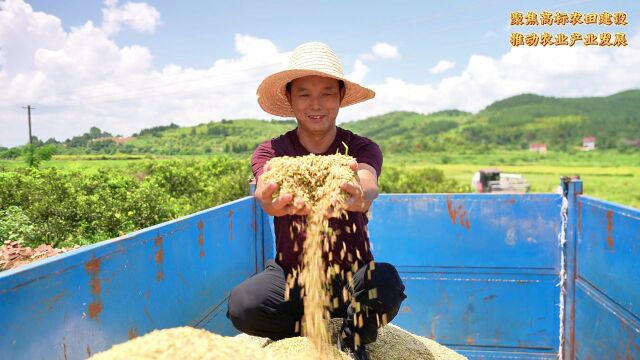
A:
x,y
607,297
609,250
177,273
481,270
471,230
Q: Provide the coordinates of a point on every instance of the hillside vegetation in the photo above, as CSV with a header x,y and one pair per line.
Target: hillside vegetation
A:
x,y
509,124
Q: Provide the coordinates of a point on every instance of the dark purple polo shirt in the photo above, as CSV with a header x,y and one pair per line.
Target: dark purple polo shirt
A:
x,y
351,232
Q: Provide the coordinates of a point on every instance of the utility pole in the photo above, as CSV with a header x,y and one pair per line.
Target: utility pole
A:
x,y
29,116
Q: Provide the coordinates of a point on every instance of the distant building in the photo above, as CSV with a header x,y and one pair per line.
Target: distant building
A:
x,y
541,148
588,143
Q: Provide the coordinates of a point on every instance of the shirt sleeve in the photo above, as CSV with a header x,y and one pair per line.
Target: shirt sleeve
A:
x,y
263,153
367,152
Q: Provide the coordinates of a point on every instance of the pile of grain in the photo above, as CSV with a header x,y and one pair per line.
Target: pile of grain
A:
x,y
189,343
398,344
184,343
317,180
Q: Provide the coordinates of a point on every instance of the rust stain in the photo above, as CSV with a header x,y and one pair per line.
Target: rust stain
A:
x,y
579,218
230,225
159,256
254,224
200,239
55,299
406,309
452,212
92,266
458,214
88,351
133,333
489,298
95,285
470,340
610,241
446,298
148,314
146,294
94,309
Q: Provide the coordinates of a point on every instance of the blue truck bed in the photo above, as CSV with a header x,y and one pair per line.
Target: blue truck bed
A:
x,y
482,271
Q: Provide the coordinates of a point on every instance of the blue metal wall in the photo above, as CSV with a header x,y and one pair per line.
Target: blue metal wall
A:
x,y
481,271
606,297
177,273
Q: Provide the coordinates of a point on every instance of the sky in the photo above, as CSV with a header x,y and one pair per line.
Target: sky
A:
x,y
125,66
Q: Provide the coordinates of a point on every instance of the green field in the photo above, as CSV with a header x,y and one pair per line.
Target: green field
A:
x,y
607,175
610,175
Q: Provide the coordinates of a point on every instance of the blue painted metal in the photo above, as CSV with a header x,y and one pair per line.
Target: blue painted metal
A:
x,y
481,272
173,274
607,322
480,269
572,189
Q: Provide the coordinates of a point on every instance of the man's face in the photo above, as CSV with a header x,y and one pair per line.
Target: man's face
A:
x,y
315,101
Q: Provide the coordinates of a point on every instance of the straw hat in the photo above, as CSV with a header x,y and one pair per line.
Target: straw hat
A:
x,y
312,58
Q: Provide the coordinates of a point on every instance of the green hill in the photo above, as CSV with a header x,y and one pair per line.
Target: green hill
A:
x,y
561,123
510,123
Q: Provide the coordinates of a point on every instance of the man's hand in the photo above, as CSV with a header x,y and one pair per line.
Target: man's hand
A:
x,y
361,197
284,204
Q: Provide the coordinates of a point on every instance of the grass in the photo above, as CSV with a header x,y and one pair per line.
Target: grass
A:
x,y
607,175
95,162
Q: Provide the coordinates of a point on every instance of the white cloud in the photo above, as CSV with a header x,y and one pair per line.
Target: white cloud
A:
x,y
381,51
557,71
81,78
385,51
360,70
139,16
378,51
442,66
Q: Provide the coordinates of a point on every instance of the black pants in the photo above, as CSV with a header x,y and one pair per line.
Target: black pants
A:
x,y
257,306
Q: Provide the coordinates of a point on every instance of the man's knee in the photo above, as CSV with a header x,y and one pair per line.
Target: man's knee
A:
x,y
389,289
239,308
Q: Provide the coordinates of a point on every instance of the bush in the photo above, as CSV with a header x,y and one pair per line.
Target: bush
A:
x,y
65,208
424,180
15,225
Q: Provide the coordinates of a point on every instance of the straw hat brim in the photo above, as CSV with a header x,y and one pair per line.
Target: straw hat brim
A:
x,y
272,95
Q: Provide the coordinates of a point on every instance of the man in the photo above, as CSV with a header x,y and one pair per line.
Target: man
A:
x,y
313,89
